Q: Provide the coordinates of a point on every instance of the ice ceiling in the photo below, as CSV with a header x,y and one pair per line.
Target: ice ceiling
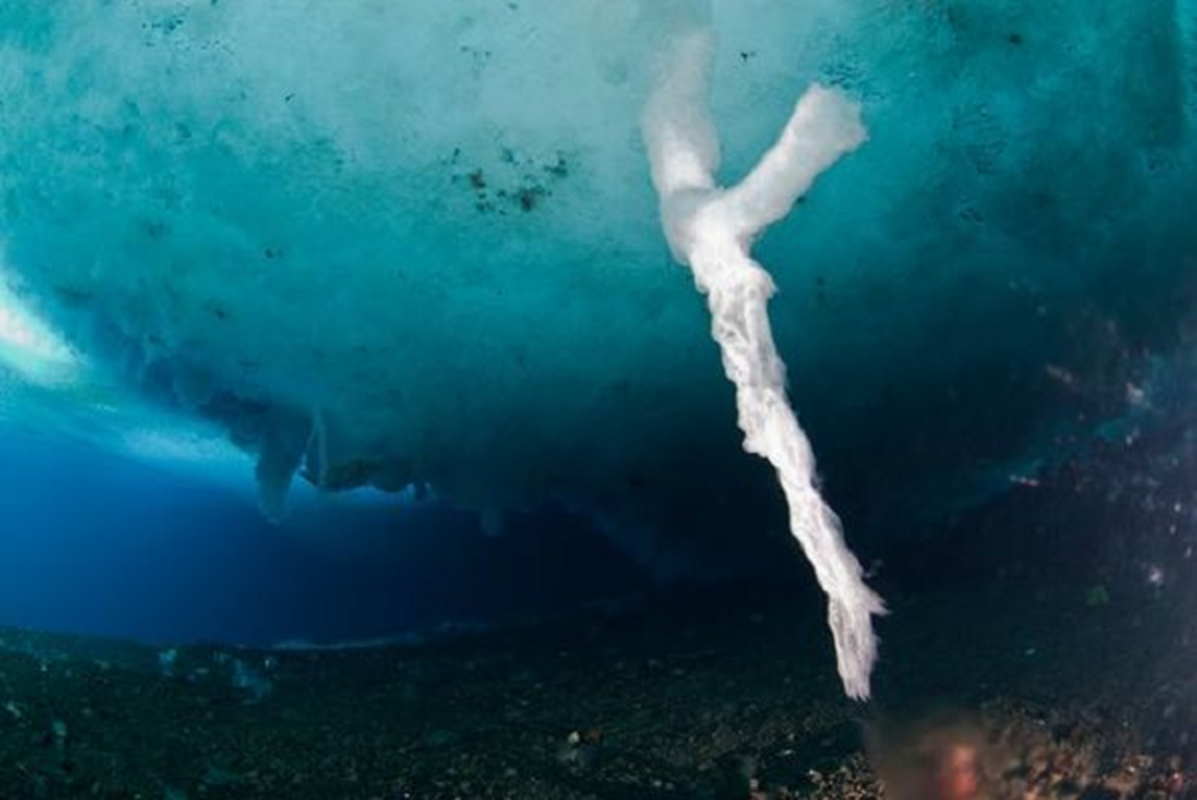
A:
x,y
394,243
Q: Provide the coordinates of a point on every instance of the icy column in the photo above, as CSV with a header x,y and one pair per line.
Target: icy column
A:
x,y
712,230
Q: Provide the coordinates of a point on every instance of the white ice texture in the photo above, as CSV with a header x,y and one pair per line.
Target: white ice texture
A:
x,y
711,230
386,243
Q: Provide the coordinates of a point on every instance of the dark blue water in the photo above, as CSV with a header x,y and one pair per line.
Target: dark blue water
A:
x,y
100,544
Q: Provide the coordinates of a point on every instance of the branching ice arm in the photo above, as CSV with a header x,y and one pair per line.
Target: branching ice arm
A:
x,y
711,231
823,127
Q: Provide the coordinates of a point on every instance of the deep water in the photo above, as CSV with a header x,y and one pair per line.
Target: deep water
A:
x,y
99,544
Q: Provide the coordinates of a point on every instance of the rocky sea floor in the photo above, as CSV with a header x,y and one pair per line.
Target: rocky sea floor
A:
x,y
1016,688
